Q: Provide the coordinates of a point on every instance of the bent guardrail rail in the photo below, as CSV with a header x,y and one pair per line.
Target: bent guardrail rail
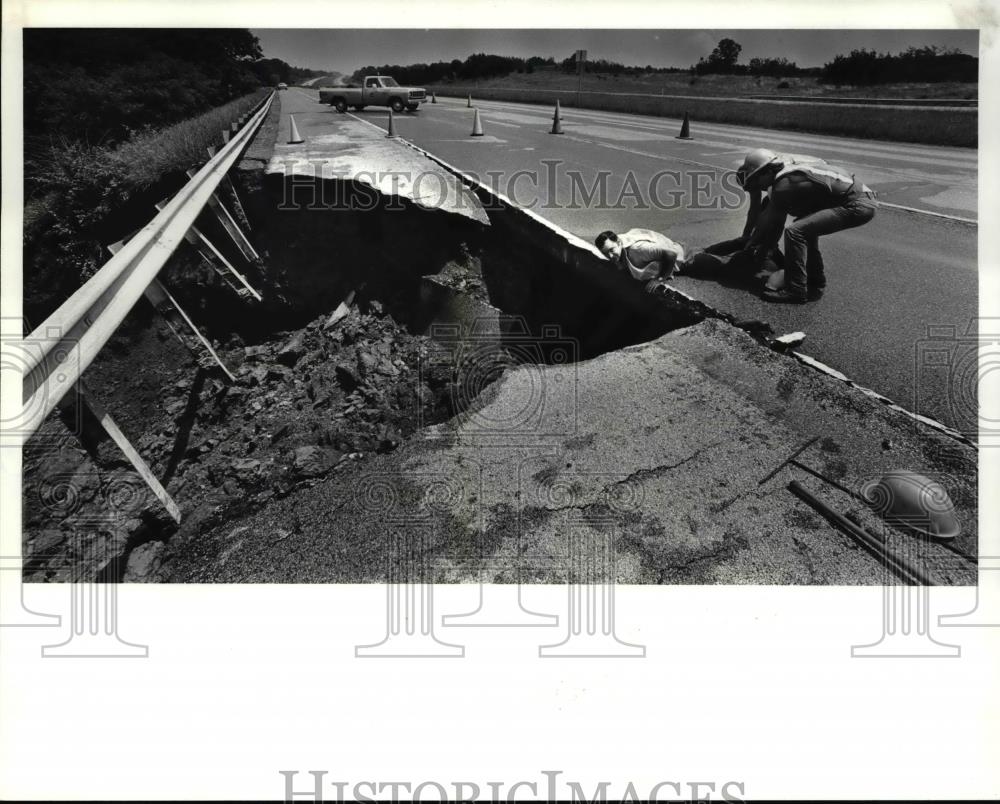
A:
x,y
83,324
67,342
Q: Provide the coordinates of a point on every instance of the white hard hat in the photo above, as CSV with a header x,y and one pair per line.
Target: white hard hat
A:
x,y
914,500
755,161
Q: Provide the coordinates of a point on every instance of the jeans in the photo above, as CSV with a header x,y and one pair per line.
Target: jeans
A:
x,y
803,262
729,253
727,247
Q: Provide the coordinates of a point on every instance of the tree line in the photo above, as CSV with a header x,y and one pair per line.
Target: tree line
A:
x,y
924,64
860,67
100,85
478,65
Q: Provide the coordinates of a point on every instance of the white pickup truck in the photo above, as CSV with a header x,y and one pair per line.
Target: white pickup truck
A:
x,y
375,90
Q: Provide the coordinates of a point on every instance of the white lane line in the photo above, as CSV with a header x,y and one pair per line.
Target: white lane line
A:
x,y
973,221
637,152
669,157
831,142
572,239
673,158
816,141
810,144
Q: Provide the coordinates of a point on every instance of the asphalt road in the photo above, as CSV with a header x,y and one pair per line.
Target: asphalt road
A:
x,y
893,284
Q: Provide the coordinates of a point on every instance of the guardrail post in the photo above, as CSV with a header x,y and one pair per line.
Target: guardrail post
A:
x,y
130,452
167,306
219,272
229,266
230,225
231,188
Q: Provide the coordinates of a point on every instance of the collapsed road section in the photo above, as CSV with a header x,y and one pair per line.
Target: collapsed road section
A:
x,y
430,363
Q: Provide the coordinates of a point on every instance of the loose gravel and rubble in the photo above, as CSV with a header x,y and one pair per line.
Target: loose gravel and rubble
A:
x,y
305,403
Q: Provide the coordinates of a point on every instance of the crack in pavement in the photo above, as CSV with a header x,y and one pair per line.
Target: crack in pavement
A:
x,y
654,472
718,509
658,471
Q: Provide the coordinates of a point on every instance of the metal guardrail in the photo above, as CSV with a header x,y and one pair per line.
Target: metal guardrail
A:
x,y
67,342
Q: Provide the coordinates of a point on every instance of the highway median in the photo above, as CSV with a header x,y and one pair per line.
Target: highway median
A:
x,y
932,125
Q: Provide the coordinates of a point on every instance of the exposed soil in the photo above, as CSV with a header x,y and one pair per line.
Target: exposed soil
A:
x,y
305,403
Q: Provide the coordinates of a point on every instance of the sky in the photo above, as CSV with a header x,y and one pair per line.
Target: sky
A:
x,y
345,51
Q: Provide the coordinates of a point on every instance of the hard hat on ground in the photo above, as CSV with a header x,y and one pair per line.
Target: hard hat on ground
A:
x,y
755,162
914,500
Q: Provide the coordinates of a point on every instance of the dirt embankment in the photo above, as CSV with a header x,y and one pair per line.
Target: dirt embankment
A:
x,y
305,403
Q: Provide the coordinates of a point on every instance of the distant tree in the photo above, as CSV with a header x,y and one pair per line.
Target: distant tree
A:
x,y
726,53
722,59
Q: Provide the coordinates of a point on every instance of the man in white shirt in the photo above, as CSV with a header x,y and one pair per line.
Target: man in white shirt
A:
x,y
648,256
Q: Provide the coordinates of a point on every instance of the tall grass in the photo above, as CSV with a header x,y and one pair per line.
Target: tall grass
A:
x,y
80,196
730,86
147,156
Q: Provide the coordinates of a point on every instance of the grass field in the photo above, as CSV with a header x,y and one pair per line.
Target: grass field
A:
x,y
742,100
725,85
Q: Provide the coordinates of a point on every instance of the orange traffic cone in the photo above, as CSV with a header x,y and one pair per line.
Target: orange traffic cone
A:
x,y
556,121
392,127
469,102
685,129
294,138
477,126
434,98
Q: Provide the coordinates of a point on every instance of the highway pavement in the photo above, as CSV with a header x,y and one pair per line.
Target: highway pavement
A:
x,y
900,288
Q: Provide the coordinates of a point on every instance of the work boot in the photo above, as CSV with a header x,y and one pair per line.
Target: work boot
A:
x,y
785,296
817,279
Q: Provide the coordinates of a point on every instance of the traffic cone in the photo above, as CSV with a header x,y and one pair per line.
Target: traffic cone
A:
x,y
477,126
685,129
294,138
392,127
434,98
556,121
469,102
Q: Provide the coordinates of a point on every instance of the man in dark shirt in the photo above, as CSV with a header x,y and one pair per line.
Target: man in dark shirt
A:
x,y
822,198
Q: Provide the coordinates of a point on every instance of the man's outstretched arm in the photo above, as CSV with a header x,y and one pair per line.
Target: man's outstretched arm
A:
x,y
769,226
753,212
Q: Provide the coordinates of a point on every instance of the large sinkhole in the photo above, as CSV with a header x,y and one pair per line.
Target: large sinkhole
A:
x,y
441,305
438,273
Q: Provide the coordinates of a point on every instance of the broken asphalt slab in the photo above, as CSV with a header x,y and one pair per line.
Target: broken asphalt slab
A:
x,y
340,147
648,459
